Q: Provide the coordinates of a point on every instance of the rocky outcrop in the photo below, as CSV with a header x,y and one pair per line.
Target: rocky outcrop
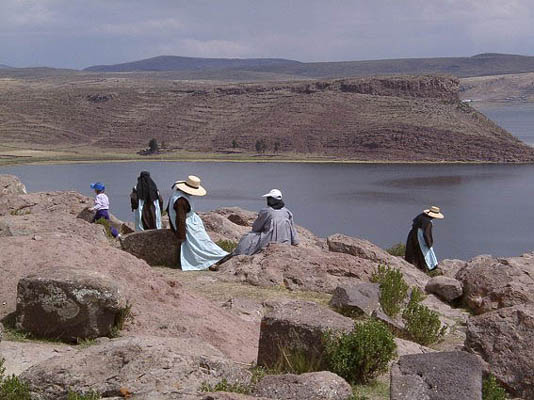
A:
x,y
147,367
44,203
490,283
157,247
437,376
297,328
358,298
503,338
10,184
61,303
447,289
365,250
159,305
297,268
311,386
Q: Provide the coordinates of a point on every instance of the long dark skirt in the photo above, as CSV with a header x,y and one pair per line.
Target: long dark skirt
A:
x,y
413,254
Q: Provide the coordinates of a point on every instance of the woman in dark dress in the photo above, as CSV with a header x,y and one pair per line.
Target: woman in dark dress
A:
x,y
419,251
146,203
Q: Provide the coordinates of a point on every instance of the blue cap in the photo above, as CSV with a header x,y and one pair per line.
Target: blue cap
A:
x,y
98,186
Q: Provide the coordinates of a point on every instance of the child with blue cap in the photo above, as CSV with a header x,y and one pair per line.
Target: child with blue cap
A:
x,y
101,205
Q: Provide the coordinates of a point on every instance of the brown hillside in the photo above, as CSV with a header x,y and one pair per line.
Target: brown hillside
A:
x,y
377,118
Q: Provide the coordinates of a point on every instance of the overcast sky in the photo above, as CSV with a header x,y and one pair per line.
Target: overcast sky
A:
x,y
80,33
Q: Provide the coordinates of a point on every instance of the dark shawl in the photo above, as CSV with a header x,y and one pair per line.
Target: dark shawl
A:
x,y
275,203
414,255
146,188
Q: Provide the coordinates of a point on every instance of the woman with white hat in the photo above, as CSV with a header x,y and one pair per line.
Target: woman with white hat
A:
x,y
419,251
274,224
197,250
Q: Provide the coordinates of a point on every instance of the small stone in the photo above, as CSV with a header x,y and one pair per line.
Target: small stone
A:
x,y
447,289
362,298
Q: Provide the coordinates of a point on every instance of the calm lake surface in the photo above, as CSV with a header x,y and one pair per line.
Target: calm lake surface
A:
x,y
489,208
515,118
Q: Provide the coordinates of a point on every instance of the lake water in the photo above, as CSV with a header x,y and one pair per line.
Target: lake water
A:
x,y
515,118
488,208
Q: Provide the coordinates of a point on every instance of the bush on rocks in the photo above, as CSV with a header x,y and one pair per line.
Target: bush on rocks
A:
x,y
227,245
393,289
361,355
398,250
491,390
86,396
423,325
11,387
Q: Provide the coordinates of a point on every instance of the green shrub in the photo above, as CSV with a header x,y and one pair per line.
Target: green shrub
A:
x,y
225,386
11,387
298,361
124,315
227,245
398,250
87,396
491,390
422,324
393,289
107,226
359,356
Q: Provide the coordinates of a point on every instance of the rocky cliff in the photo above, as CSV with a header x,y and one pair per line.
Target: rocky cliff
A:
x,y
397,118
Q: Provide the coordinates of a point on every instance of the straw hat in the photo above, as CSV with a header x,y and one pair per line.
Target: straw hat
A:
x,y
191,186
434,212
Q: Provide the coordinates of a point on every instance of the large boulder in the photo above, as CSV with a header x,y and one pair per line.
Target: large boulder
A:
x,y
437,376
156,246
159,304
62,303
491,283
10,184
447,289
297,327
504,338
365,250
146,367
450,267
310,386
45,203
358,298
297,268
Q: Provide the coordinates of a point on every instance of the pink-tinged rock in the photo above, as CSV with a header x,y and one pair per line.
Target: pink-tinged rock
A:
x,y
447,289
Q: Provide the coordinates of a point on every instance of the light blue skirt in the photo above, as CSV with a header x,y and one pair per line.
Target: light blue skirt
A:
x,y
428,253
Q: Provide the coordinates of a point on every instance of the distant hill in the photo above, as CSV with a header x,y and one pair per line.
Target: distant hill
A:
x,y
175,63
225,69
390,118
4,66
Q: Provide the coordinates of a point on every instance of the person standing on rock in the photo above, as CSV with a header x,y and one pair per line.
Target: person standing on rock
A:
x,y
274,224
146,203
419,250
197,250
101,205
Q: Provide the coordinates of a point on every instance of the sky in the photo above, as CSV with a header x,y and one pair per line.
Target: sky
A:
x,y
80,33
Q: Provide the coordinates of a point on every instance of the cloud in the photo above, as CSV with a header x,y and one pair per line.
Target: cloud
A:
x,y
78,33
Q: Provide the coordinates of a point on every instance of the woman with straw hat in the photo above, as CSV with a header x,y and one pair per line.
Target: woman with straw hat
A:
x,y
419,251
197,250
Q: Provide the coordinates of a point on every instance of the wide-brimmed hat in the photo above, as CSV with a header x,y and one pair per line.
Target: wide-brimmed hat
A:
x,y
191,186
434,212
98,186
274,193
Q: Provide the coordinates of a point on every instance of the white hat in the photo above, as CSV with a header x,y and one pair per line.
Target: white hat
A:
x,y
191,186
274,193
434,212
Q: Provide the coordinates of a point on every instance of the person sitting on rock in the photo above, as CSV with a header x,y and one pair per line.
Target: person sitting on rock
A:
x,y
197,250
146,203
419,250
101,205
274,224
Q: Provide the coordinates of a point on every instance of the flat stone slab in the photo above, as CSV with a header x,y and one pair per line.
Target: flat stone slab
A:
x,y
158,247
322,385
437,376
297,326
361,298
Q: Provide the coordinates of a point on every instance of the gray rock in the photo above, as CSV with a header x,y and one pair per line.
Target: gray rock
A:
x,y
68,304
362,298
245,308
297,327
88,215
447,289
366,250
311,386
450,267
504,339
395,324
158,247
490,283
437,376
147,367
10,184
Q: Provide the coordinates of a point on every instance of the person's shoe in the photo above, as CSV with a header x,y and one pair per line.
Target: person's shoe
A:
x,y
214,267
